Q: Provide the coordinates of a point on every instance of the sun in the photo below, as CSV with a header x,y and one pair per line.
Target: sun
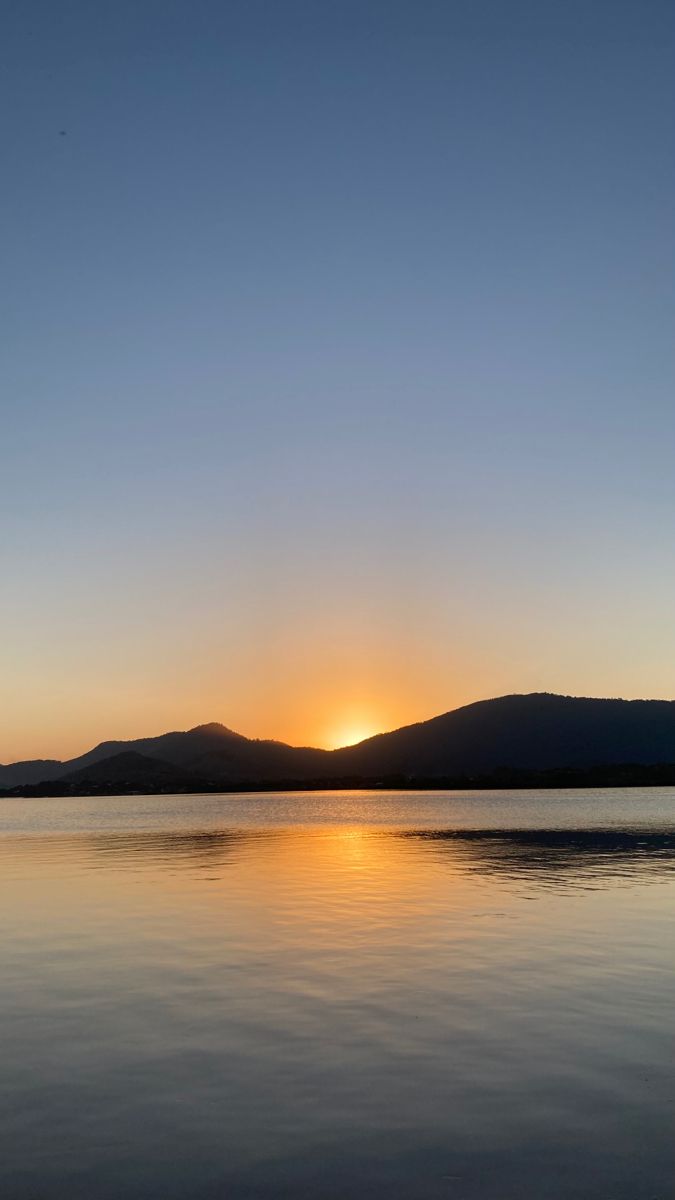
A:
x,y
349,735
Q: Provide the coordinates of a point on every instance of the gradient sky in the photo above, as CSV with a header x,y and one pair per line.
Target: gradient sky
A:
x,y
338,375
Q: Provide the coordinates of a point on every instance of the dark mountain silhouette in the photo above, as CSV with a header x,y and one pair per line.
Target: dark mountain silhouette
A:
x,y
33,771
208,752
214,751
130,769
534,733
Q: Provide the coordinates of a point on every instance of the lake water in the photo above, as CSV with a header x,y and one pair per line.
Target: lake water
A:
x,y
458,995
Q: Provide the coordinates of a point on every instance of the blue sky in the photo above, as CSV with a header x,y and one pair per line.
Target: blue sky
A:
x,y
338,381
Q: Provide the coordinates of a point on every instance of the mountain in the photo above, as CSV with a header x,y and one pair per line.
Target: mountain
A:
x,y
537,732
216,752
211,752
34,771
540,731
130,769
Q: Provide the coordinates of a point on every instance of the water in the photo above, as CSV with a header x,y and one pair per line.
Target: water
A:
x,y
461,995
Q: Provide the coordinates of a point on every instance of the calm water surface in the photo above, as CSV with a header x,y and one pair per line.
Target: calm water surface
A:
x,y
454,995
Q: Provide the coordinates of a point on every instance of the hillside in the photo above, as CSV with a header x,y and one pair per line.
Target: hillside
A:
x,y
534,732
537,732
130,769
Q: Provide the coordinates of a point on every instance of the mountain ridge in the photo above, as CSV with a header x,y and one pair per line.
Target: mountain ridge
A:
x,y
536,731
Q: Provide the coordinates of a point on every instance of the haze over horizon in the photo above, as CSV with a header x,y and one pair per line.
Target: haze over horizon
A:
x,y
339,372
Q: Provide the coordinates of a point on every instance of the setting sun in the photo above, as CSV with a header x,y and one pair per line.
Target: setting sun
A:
x,y
350,735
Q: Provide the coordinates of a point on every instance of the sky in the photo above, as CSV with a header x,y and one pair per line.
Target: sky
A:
x,y
337,362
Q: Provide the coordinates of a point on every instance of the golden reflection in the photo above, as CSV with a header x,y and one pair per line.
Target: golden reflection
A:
x,y
355,844
314,887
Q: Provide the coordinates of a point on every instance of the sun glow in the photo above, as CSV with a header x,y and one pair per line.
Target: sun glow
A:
x,y
349,735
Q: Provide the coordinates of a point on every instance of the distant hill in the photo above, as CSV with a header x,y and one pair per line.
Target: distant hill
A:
x,y
34,771
533,733
131,770
207,751
540,731
216,752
